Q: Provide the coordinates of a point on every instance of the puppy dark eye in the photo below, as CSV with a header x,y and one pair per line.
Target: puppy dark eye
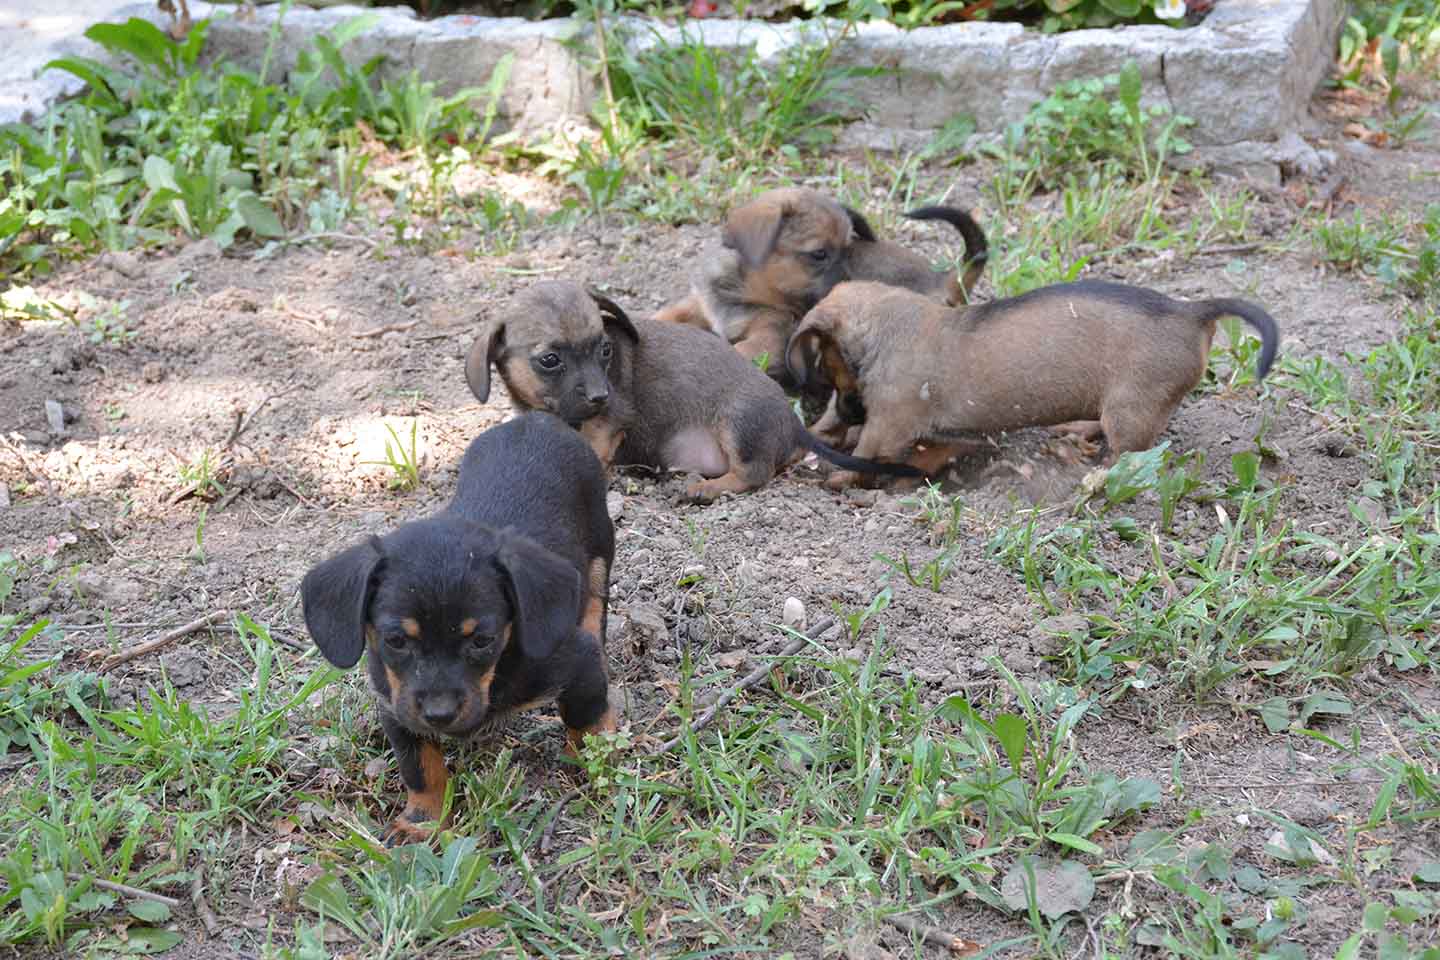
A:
x,y
606,350
480,644
819,256
397,642
550,361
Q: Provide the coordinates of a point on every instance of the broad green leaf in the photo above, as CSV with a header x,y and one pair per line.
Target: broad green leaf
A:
x,y
1350,949
149,910
141,39
1075,842
101,79
1428,872
1010,731
146,940
1326,702
1247,469
1276,714
258,216
160,174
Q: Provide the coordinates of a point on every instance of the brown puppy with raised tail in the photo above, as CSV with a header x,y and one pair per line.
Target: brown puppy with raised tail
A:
x,y
482,610
643,393
786,249
1094,356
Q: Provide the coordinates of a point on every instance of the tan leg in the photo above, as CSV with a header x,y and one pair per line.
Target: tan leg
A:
x,y
424,807
592,619
1082,429
1130,427
688,311
575,737
704,491
880,441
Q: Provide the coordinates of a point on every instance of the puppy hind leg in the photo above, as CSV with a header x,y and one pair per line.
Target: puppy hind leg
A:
x,y
1131,426
878,441
750,454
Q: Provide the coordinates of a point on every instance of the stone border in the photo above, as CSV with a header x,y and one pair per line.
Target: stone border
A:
x,y
1245,76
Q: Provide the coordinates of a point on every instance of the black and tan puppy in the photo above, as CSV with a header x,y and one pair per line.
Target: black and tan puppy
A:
x,y
928,380
489,607
782,252
645,393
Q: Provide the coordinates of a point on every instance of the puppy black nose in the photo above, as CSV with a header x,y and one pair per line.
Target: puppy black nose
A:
x,y
440,709
598,400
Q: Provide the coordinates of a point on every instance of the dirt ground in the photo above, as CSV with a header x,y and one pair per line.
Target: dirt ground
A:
x,y
270,364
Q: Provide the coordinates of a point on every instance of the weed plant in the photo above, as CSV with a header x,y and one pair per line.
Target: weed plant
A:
x,y
161,146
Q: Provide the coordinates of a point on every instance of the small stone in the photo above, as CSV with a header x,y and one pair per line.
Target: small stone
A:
x,y
647,621
793,615
615,504
153,372
55,416
185,668
733,660
37,606
376,768
4,497
125,264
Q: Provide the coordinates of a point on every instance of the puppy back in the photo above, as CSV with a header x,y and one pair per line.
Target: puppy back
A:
x,y
537,474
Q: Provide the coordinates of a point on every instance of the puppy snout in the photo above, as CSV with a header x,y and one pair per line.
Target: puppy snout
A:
x,y
598,397
440,708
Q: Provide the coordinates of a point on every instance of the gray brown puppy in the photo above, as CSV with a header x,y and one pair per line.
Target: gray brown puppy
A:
x,y
928,380
644,393
786,249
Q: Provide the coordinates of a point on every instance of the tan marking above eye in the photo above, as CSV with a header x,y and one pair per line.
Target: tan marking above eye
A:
x,y
411,627
468,626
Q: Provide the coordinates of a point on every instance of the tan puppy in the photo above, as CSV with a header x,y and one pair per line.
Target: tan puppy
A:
x,y
645,393
919,373
785,250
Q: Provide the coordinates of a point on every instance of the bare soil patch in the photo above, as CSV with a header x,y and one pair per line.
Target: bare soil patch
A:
x,y
266,364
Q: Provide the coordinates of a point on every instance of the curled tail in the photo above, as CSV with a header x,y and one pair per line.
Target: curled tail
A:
x,y
977,250
1252,314
804,438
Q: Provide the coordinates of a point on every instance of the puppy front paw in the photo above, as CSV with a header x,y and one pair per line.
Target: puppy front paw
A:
x,y
415,824
841,479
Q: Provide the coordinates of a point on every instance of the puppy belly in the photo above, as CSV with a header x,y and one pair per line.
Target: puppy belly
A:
x,y
694,450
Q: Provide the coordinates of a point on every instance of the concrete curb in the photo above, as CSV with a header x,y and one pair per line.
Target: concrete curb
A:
x,y
1244,76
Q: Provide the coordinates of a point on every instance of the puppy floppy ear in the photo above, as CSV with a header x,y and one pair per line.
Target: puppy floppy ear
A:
x,y
483,353
610,313
809,342
336,598
752,231
859,225
544,592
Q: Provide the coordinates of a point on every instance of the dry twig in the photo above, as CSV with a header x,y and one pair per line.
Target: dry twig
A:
x,y
150,646
934,935
749,680
201,905
128,891
387,328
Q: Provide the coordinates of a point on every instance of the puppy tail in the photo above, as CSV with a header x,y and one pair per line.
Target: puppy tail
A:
x,y
977,249
804,438
1252,314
